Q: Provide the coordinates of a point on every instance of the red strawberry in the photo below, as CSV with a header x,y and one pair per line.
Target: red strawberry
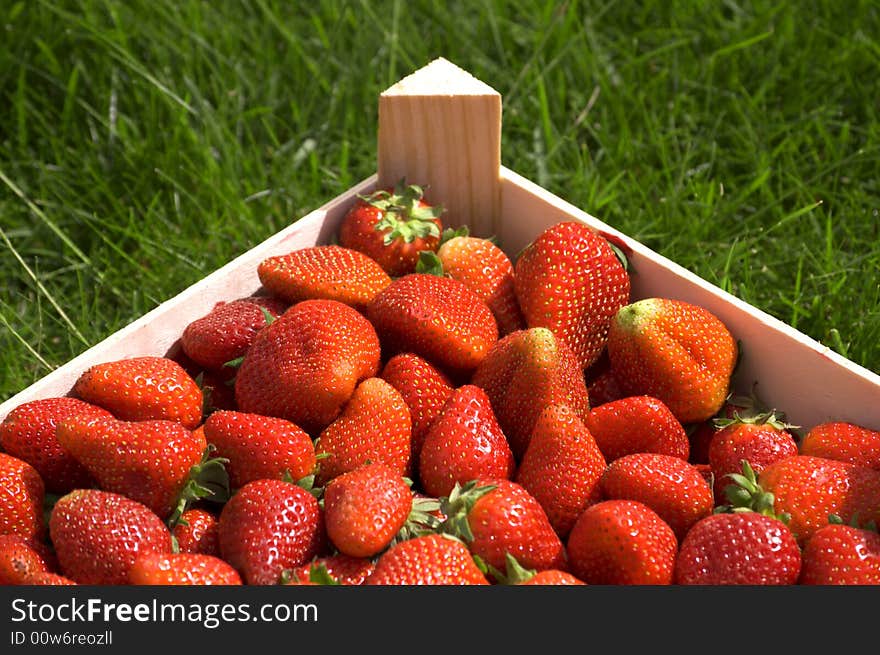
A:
x,y
436,317
98,535
20,560
305,366
675,351
517,574
432,559
142,389
525,372
21,498
670,486
365,508
374,427
28,433
181,569
343,569
637,424
496,517
738,549
621,542
561,467
392,226
227,331
841,555
571,282
259,446
424,390
197,531
269,526
324,273
52,579
465,442
485,269
845,442
147,461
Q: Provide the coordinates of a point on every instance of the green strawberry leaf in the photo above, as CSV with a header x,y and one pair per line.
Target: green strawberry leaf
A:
x,y
429,263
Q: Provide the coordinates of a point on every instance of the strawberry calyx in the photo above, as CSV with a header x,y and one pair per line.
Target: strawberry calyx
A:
x,y
746,495
420,521
207,480
514,573
403,215
458,505
770,418
429,264
318,574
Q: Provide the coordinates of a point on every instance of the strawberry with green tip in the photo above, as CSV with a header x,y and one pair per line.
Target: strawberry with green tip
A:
x,y
841,555
21,499
845,442
433,559
181,569
516,574
637,424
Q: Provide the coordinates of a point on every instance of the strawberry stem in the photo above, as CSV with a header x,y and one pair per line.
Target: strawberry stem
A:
x,y
207,480
457,506
404,216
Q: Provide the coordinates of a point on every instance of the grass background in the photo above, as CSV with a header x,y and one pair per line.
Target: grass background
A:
x,y
144,144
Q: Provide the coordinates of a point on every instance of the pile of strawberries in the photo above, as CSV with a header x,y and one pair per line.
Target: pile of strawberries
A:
x,y
411,406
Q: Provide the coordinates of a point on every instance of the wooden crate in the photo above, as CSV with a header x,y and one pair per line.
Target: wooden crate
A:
x,y
452,127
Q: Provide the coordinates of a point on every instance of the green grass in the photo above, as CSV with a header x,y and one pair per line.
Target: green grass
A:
x,y
144,144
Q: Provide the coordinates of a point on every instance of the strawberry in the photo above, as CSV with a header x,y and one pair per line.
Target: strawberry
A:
x,y
675,351
305,366
197,531
463,443
570,281
374,427
525,372
485,269
424,390
227,331
98,535
432,559
365,508
637,424
259,446
28,433
143,389
181,569
392,226
52,579
21,500
561,467
323,273
621,542
603,388
342,569
841,555
845,442
20,560
436,317
670,486
147,461
269,526
760,440
495,517
738,549
517,574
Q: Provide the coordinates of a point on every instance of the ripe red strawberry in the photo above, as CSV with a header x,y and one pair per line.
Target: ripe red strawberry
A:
x,y
760,440
374,427
841,555
143,389
323,273
52,579
424,390
485,269
147,461
637,424
343,569
675,351
571,282
517,574
562,467
20,560
392,226
305,366
21,498
621,542
365,508
738,549
845,442
525,372
432,559
464,443
181,569
227,331
436,317
809,489
259,446
197,531
28,433
496,517
269,526
670,486
98,535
